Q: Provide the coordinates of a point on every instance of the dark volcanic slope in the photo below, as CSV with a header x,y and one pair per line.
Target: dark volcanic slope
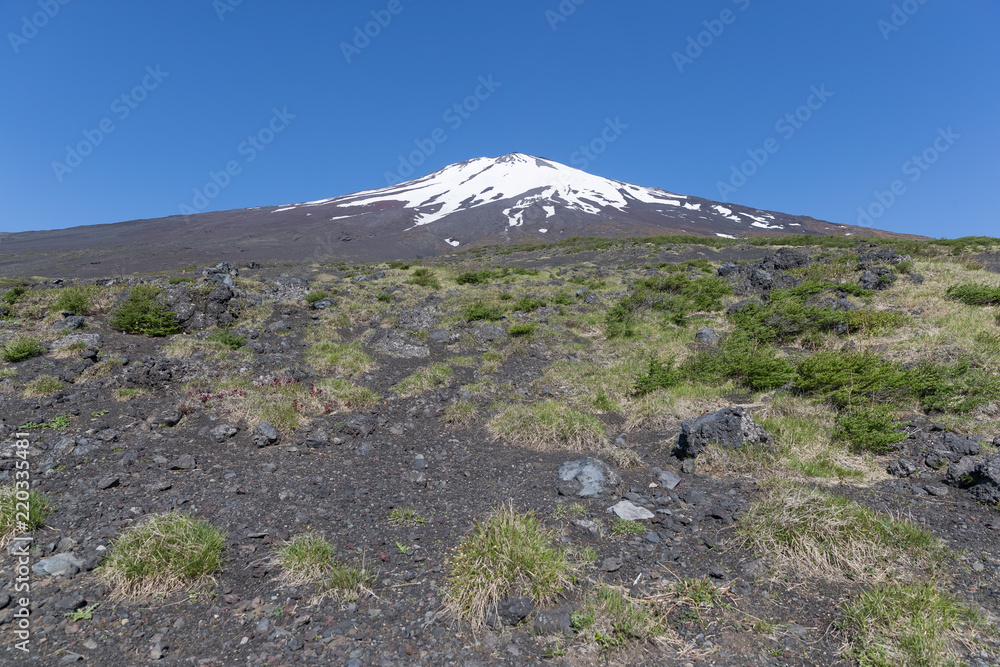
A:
x,y
515,198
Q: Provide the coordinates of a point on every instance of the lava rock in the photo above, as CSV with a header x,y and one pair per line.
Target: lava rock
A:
x,y
60,565
70,323
730,427
587,478
707,335
265,434
626,510
223,432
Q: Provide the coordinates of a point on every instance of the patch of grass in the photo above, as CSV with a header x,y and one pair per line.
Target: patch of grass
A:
x,y
574,510
227,339
43,385
907,624
869,429
521,330
481,310
130,393
166,553
528,304
84,614
21,349
424,277
13,295
316,295
432,377
509,553
309,559
21,515
398,264
405,516
177,280
547,426
347,359
60,422
8,373
612,619
77,299
142,314
810,529
974,295
625,527
676,295
461,413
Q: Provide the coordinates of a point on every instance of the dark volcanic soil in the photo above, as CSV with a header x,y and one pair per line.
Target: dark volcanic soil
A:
x,y
113,466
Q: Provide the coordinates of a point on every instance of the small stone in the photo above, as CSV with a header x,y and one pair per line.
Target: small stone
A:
x,y
717,572
60,565
936,490
611,564
588,527
688,466
170,417
223,432
108,482
183,462
668,479
158,651
265,434
415,477
630,512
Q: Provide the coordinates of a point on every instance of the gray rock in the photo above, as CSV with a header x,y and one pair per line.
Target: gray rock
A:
x,y
730,427
626,510
667,479
587,478
91,340
611,565
169,417
588,527
489,333
986,480
279,326
417,478
60,565
223,432
265,434
936,490
398,344
318,438
108,482
515,609
360,426
71,323
553,622
901,468
183,462
707,335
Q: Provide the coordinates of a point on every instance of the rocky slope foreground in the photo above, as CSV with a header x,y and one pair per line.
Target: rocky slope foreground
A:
x,y
733,452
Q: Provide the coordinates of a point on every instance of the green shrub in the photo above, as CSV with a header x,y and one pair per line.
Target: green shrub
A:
x,y
483,311
76,299
13,295
869,429
424,277
852,377
528,304
676,295
743,359
141,313
20,349
521,330
177,280
974,295
316,295
228,339
397,264
659,376
475,277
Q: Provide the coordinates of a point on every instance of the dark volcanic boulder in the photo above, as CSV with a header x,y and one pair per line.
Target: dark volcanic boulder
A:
x,y
730,427
587,478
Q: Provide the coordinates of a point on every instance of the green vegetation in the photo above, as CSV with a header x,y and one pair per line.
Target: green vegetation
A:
x,y
228,339
83,614
521,330
13,295
347,359
676,295
61,422
77,299
661,375
741,358
625,527
177,280
869,429
166,553
612,619
475,277
43,385
547,426
436,375
142,314
810,529
424,277
21,349
316,295
481,310
975,295
309,559
508,554
12,525
910,624
405,516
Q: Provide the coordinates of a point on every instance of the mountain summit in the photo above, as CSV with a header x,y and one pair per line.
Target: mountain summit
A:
x,y
514,198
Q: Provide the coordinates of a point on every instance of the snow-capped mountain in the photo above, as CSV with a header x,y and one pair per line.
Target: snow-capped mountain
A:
x,y
521,194
513,198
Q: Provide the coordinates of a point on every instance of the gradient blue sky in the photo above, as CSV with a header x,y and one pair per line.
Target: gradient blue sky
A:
x,y
562,75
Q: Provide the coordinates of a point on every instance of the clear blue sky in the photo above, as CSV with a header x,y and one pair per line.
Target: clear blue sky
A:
x,y
556,78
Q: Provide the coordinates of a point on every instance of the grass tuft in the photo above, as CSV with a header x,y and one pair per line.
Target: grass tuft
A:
x,y
20,349
309,559
12,508
548,425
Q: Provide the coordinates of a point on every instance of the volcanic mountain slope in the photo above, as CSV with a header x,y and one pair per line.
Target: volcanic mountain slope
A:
x,y
514,198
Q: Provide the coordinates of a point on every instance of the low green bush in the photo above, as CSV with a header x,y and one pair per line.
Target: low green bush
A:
x,y
424,277
20,349
316,295
659,376
228,338
76,300
177,280
13,295
974,295
483,311
742,358
141,313
676,295
475,277
869,429
521,330
528,304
